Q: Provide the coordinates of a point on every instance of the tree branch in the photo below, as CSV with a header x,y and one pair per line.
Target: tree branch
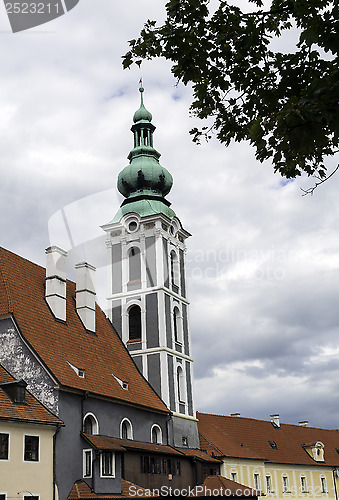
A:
x,y
321,181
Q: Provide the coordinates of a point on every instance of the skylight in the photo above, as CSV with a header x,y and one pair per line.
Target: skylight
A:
x,y
123,384
79,371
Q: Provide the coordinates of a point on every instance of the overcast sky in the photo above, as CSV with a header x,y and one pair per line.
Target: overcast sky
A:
x,y
263,260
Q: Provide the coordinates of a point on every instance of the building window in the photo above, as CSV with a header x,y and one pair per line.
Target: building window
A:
x,y
87,463
269,484
234,476
2,496
4,446
256,481
126,429
303,484
155,465
134,265
134,323
107,464
175,273
156,434
91,425
285,484
31,497
323,485
177,325
184,441
181,384
31,451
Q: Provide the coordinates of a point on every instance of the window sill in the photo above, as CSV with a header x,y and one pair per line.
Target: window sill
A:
x,y
133,340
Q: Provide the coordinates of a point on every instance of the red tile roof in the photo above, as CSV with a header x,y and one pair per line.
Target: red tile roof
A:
x,y
31,411
200,455
224,487
81,491
101,355
110,443
242,437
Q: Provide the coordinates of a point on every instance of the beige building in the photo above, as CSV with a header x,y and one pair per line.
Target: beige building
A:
x,y
27,432
280,460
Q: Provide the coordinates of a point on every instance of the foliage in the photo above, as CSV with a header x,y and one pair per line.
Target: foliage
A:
x,y
285,103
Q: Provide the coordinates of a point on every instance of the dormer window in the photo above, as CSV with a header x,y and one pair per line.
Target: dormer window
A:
x,y
15,390
315,450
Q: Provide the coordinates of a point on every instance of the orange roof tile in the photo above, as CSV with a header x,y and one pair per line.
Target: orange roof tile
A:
x,y
110,443
31,411
57,344
81,491
225,487
199,454
249,438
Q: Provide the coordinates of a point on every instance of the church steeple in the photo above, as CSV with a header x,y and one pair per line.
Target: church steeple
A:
x,y
144,182
147,295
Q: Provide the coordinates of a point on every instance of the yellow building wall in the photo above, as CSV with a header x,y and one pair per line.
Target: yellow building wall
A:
x,y
245,470
18,477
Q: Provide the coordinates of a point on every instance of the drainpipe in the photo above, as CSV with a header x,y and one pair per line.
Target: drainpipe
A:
x,y
85,396
54,459
335,483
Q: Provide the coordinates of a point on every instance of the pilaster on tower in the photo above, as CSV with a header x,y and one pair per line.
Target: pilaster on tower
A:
x,y
147,282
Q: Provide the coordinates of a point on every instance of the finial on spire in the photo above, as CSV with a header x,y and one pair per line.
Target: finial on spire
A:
x,y
141,90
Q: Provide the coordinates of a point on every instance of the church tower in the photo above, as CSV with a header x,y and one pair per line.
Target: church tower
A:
x,y
147,282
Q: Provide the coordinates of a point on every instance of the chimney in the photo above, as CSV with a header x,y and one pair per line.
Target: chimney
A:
x,y
275,420
303,423
85,294
55,293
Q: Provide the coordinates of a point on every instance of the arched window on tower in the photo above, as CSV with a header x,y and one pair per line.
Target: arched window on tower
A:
x,y
134,323
181,385
175,271
177,325
134,265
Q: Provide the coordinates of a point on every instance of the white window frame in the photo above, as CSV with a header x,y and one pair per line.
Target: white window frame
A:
x,y
303,484
95,423
286,484
269,487
179,324
256,477
9,449
27,434
159,433
234,476
84,453
113,464
129,428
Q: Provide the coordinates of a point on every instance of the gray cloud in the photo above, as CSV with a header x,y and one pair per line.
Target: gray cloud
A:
x,y
263,261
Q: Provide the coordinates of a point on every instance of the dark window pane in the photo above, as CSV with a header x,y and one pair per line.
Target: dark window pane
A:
x,y
134,317
4,447
107,464
31,448
134,264
88,426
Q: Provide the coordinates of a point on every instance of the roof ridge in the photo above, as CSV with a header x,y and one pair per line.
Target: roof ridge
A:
x,y
8,296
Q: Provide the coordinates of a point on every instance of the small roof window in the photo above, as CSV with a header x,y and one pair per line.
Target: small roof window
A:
x,y
273,445
15,390
123,384
79,371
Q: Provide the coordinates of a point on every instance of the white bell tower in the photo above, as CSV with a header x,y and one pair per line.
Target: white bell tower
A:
x,y
147,282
